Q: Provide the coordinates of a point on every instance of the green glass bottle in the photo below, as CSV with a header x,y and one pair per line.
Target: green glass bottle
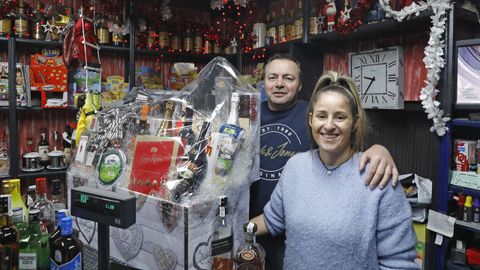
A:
x,y
34,248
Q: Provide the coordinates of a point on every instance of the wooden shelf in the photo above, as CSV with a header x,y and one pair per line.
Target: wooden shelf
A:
x,y
373,31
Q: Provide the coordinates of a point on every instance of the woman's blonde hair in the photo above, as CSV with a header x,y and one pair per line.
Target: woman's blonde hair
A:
x,y
343,84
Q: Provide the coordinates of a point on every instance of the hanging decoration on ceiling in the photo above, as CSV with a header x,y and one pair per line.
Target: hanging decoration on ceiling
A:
x,y
434,53
219,4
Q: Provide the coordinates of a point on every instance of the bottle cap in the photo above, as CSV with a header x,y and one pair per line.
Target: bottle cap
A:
x,y
250,227
60,215
41,184
476,202
468,201
66,226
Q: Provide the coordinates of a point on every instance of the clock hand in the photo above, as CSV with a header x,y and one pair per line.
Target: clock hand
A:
x,y
370,84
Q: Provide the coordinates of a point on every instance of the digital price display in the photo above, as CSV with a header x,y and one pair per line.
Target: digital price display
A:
x,y
106,207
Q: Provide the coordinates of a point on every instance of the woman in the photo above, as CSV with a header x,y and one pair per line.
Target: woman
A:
x,y
331,219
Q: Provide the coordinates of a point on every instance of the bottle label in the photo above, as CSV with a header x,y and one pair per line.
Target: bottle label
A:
x,y
5,26
21,26
74,264
43,151
281,33
222,245
476,215
247,255
27,261
298,28
313,25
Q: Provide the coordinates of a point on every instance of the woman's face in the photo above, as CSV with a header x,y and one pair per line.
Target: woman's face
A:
x,y
332,124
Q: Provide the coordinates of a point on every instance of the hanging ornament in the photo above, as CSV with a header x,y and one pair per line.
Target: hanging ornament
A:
x,y
165,10
242,3
216,4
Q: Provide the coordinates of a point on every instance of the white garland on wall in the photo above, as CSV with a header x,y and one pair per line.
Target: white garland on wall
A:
x,y
434,53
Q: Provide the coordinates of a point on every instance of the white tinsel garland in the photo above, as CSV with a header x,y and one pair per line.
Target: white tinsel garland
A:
x,y
165,10
434,55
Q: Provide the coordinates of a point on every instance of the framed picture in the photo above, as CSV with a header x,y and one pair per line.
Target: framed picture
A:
x,y
468,72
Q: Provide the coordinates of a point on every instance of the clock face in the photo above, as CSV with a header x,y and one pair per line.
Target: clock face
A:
x,y
378,75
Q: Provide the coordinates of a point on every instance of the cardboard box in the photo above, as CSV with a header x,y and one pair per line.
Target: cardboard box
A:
x,y
422,241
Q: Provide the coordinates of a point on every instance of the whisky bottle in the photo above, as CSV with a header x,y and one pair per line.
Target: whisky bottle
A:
x,y
222,238
43,148
12,186
281,34
35,247
298,29
193,173
67,250
163,36
314,25
31,195
290,27
57,199
250,255
46,215
165,128
272,29
102,31
8,235
21,23
57,233
39,20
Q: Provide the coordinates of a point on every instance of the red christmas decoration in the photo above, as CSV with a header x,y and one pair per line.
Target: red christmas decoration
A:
x,y
357,15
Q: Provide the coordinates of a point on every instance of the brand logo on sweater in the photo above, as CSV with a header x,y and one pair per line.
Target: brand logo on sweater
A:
x,y
278,143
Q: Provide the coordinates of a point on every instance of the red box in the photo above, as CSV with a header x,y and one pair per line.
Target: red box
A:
x,y
473,256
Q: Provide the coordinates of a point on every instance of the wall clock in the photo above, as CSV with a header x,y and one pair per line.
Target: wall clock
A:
x,y
379,77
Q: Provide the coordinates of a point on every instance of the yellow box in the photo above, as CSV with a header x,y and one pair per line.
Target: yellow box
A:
x,y
422,239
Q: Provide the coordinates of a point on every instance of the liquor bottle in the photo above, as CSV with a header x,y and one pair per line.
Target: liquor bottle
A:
x,y
39,20
46,215
20,224
186,133
5,21
272,29
268,38
31,195
231,136
67,144
165,128
4,160
43,148
476,210
194,172
188,39
222,238
57,233
8,235
21,22
29,146
142,127
58,201
290,26
298,29
12,186
151,36
102,31
198,39
67,250
281,35
250,255
314,25
176,40
163,36
35,247
460,205
117,35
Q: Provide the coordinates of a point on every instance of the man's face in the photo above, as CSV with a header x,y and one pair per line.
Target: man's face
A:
x,y
282,84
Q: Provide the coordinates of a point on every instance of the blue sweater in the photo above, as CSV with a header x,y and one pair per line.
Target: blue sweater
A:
x,y
336,222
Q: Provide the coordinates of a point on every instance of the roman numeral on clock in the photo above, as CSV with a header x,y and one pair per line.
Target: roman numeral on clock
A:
x,y
392,77
375,58
392,64
391,94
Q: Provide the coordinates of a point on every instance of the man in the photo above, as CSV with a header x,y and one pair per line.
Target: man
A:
x,y
283,133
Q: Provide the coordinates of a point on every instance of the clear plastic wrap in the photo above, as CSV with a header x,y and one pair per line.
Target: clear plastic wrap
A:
x,y
177,151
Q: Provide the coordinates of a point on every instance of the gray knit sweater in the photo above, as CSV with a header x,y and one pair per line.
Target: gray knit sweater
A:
x,y
336,222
